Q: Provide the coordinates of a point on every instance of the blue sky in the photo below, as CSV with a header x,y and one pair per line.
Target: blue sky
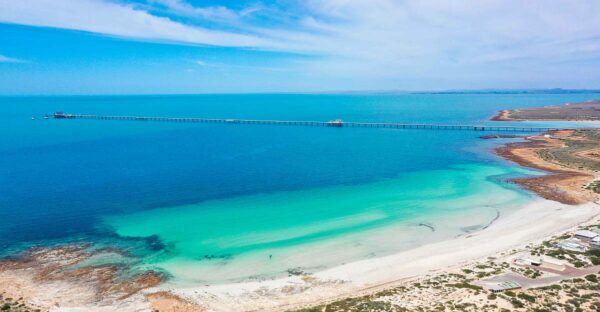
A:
x,y
187,46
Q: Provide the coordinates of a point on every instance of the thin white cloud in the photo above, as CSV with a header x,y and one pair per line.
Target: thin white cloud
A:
x,y
430,38
112,18
238,66
6,59
181,7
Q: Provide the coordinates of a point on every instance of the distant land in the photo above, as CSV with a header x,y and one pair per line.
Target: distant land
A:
x,y
583,111
333,92
475,91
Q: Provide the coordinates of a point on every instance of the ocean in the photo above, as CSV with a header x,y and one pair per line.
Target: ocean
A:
x,y
215,203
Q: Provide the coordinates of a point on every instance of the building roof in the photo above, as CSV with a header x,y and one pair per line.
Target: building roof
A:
x,y
505,286
550,260
570,242
586,234
571,245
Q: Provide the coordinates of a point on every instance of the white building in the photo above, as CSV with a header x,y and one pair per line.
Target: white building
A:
x,y
586,235
595,243
552,263
508,285
572,245
525,260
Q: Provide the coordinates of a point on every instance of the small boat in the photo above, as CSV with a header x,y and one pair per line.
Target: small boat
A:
x,y
46,117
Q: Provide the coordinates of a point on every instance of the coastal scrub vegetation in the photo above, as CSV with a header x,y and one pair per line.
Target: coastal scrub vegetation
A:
x,y
458,291
9,304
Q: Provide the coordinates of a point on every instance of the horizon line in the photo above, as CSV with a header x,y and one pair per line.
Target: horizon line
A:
x,y
333,92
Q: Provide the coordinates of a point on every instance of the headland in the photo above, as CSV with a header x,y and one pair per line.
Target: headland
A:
x,y
581,111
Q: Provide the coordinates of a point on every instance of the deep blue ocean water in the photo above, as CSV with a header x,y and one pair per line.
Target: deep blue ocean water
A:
x,y
60,178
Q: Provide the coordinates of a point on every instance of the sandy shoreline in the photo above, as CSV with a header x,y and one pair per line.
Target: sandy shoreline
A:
x,y
504,115
566,176
532,223
568,207
528,224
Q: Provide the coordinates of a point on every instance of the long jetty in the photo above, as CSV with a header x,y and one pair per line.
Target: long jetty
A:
x,y
331,123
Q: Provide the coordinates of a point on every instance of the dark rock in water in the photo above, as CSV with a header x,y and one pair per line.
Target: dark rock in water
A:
x,y
472,228
155,243
428,226
493,220
214,257
296,271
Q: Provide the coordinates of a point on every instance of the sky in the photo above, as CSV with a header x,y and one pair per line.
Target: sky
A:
x,y
211,46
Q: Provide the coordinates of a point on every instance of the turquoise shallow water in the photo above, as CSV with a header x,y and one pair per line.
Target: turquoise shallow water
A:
x,y
216,203
253,236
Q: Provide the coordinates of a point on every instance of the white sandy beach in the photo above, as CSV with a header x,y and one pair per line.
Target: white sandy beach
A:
x,y
534,222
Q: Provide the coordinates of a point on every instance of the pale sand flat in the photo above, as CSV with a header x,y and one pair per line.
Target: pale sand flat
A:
x,y
532,223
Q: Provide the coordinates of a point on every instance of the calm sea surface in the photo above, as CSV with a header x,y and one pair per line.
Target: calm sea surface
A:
x,y
213,203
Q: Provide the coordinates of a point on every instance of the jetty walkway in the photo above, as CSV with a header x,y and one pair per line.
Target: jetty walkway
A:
x,y
331,123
